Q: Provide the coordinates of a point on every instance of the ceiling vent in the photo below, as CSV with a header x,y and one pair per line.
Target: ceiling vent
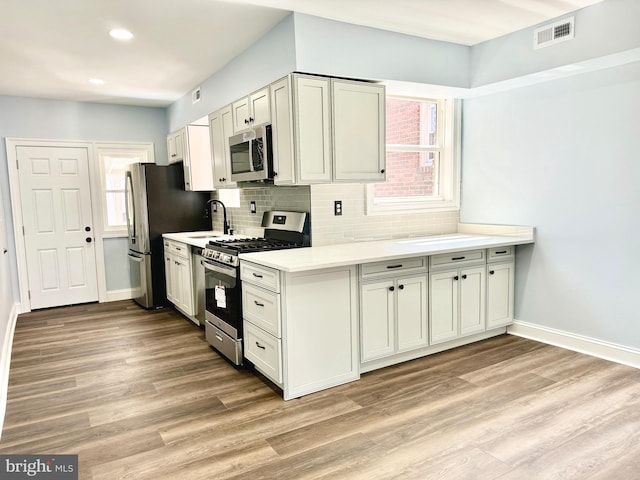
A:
x,y
196,95
553,33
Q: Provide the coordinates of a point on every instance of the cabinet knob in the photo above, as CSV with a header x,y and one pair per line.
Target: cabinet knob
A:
x,y
246,121
391,289
491,272
382,171
464,277
88,239
401,287
456,278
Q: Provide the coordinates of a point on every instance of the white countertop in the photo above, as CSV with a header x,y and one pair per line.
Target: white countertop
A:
x,y
195,239
315,258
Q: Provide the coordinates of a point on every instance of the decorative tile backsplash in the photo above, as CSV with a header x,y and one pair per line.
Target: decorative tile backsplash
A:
x,y
354,225
326,228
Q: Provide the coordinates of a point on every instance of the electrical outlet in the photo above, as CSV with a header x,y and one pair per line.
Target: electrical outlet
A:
x,y
252,207
337,207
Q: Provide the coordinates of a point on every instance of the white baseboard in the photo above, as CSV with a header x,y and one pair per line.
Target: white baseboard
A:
x,y
578,343
5,361
115,295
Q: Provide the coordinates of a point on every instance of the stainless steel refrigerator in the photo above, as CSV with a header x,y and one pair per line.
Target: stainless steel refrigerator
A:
x,y
157,203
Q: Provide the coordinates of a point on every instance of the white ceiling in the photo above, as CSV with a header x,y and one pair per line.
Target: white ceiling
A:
x,y
51,48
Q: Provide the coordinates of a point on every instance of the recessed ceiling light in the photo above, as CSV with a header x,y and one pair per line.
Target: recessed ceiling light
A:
x,y
96,81
121,34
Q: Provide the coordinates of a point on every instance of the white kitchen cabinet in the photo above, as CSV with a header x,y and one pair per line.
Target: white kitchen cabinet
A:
x,y
394,316
198,169
500,290
254,109
179,276
175,146
327,130
317,317
358,125
221,128
456,303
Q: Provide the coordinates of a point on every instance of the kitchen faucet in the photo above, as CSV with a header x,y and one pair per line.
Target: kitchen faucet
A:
x,y
225,227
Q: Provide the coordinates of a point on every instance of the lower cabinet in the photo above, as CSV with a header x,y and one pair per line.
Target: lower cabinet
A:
x,y
500,291
179,276
457,303
316,314
394,316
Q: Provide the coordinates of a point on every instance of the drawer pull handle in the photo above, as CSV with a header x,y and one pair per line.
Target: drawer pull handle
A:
x,y
394,266
257,275
260,346
258,303
501,252
457,258
219,338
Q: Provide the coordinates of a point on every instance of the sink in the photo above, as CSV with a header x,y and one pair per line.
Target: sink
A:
x,y
434,239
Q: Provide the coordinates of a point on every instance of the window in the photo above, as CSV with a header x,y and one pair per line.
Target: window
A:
x,y
113,160
422,157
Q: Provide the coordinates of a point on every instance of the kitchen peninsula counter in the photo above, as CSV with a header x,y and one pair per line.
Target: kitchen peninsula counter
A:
x,y
468,237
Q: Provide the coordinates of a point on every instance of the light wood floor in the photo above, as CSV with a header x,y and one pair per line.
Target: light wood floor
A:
x,y
140,395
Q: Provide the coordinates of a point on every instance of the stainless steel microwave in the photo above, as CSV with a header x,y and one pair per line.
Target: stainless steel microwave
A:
x,y
251,155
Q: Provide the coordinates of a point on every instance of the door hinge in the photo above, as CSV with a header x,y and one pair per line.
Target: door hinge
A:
x,y
17,165
23,231
29,294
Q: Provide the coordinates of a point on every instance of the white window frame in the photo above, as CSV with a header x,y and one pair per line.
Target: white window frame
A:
x,y
142,150
448,197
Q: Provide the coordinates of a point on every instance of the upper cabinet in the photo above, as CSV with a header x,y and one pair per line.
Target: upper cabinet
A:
x,y
327,130
220,129
191,145
175,146
358,131
252,110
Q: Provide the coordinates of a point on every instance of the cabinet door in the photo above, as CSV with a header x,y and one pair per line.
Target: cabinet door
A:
x,y
282,138
259,107
412,315
179,139
221,127
499,294
241,114
377,313
313,129
183,285
198,171
472,300
168,268
443,306
358,131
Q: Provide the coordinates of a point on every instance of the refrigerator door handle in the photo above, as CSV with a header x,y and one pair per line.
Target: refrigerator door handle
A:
x,y
135,258
130,207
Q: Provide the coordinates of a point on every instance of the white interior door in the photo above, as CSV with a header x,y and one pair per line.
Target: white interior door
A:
x,y
58,227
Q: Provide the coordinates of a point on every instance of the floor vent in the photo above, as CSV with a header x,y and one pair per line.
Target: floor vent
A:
x,y
551,34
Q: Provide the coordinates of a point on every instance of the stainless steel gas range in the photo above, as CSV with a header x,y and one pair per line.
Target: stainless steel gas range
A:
x,y
223,289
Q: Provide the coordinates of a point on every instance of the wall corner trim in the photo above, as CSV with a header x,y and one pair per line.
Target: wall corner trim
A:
x,y
5,361
578,343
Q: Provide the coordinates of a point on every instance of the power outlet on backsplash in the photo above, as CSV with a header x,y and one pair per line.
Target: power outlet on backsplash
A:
x,y
252,207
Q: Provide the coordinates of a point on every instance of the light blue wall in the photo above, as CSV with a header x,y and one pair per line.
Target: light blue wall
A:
x,y
563,156
63,120
269,59
602,29
340,49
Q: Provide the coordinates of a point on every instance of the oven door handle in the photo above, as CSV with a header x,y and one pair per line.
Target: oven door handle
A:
x,y
230,271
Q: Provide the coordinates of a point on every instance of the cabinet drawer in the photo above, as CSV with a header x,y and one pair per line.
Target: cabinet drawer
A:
x,y
262,308
390,267
265,277
264,350
180,249
499,254
458,258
